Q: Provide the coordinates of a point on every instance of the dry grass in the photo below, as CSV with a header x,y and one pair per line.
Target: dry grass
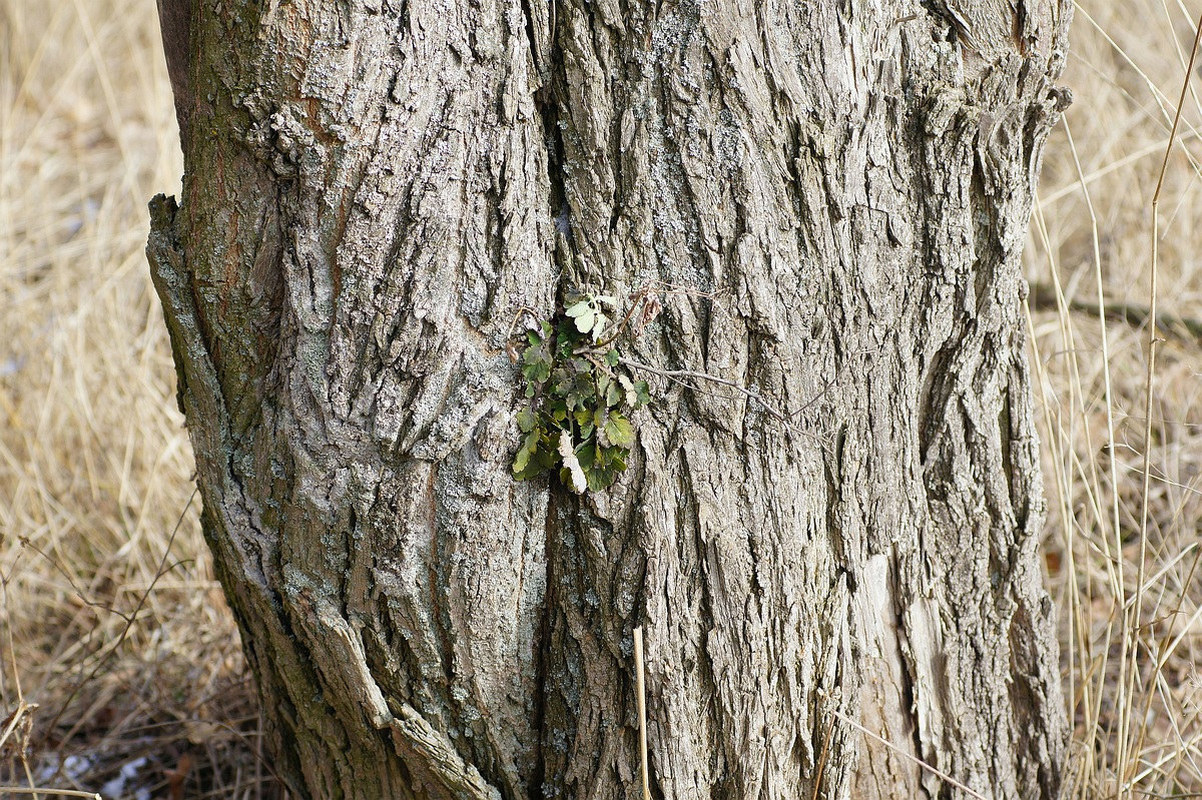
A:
x,y
110,616
1129,604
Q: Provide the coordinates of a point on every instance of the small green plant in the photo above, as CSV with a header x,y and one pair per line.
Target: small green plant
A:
x,y
581,397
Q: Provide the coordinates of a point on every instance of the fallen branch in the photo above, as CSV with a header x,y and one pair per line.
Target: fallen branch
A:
x,y
1043,296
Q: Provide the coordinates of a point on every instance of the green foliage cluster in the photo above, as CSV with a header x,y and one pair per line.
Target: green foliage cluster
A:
x,y
581,397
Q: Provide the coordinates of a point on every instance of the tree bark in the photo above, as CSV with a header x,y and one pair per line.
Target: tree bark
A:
x,y
373,188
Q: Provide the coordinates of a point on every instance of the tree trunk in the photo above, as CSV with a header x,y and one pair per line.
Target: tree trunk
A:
x,y
373,188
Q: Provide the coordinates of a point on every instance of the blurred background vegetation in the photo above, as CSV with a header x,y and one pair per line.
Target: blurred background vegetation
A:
x,y
111,621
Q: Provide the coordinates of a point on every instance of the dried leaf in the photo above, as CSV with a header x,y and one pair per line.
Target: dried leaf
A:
x,y
571,463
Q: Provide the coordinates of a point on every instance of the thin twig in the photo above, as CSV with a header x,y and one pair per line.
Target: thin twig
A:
x,y
1124,702
1152,342
636,300
641,702
60,792
702,376
19,718
513,323
81,593
904,754
129,623
826,743
12,647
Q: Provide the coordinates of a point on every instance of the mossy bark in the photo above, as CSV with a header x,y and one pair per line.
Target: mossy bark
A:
x,y
373,188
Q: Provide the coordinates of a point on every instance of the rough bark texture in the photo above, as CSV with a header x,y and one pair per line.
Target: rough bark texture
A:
x,y
372,189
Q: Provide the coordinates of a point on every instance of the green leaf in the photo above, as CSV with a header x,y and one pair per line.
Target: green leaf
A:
x,y
642,394
585,322
619,431
611,358
599,323
584,314
561,382
526,419
600,478
613,394
586,453
628,388
566,341
522,460
536,363
602,423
